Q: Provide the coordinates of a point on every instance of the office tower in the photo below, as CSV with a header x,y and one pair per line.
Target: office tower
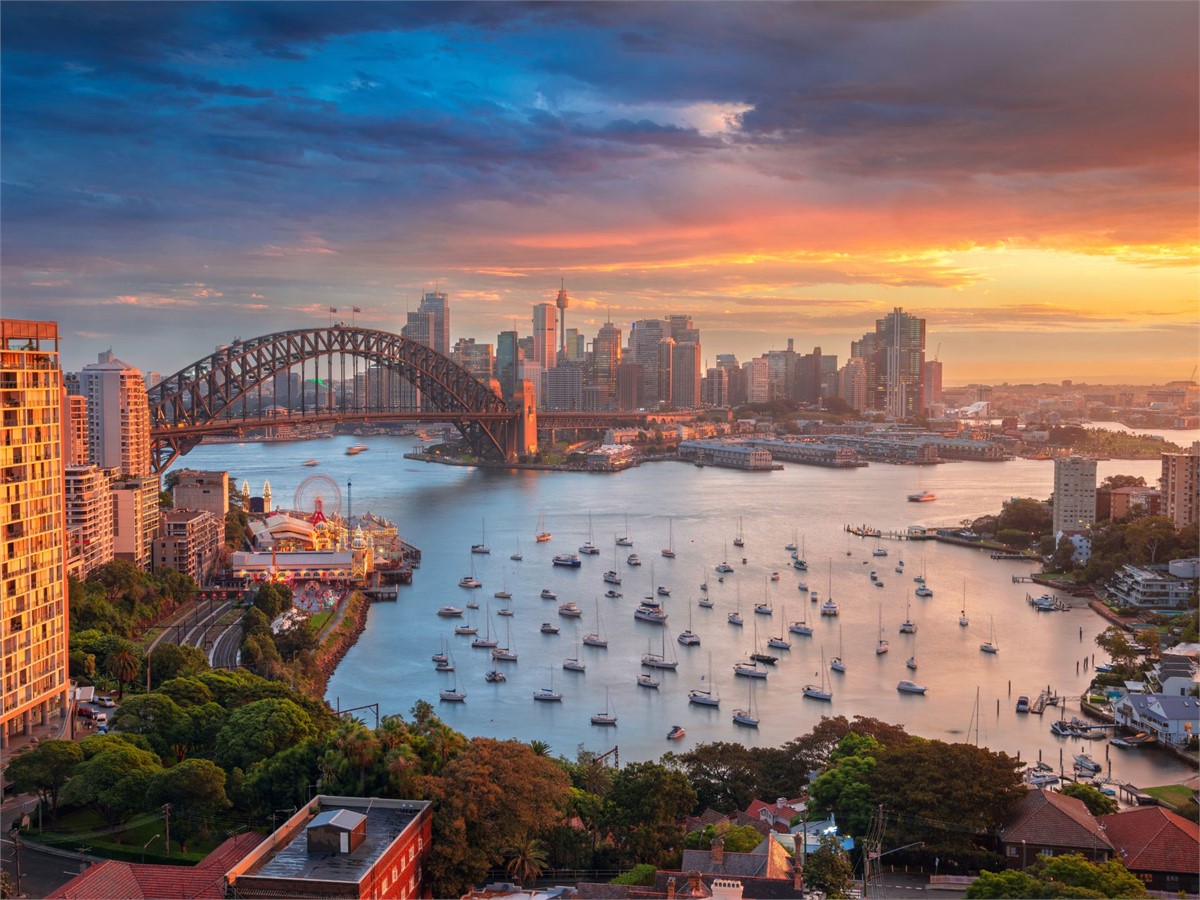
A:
x,y
757,384
545,318
1181,486
435,305
475,358
606,358
33,603
75,431
562,387
88,504
665,366
680,329
933,382
630,378
118,416
1074,494
714,389
561,303
852,383
808,376
532,372
685,374
508,359
644,337
900,364
575,344
781,373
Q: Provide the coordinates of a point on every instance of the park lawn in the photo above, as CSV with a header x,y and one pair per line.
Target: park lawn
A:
x,y
1177,797
318,621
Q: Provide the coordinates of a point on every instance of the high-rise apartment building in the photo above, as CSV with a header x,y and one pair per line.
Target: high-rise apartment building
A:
x,y
118,416
545,324
1181,486
562,387
190,541
852,383
900,364
685,374
630,379
33,540
75,430
757,381
195,489
1074,494
89,516
606,357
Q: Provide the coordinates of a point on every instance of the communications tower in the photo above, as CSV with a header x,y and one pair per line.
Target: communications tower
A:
x,y
561,303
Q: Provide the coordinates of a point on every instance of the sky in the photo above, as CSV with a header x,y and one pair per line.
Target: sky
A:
x,y
1024,176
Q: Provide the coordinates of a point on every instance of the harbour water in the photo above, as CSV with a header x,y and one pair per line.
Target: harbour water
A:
x,y
444,510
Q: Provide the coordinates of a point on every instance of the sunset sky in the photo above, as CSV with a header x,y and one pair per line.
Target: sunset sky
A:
x,y
1023,175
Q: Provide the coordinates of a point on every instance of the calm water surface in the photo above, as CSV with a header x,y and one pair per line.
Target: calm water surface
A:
x,y
444,510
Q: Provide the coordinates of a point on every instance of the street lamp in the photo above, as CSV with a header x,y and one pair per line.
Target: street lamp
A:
x,y
153,838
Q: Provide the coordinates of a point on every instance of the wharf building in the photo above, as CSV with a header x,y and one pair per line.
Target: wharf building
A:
x,y
728,455
1074,494
33,564
809,453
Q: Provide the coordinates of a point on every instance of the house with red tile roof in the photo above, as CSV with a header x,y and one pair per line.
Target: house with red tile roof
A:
x,y
145,881
1047,823
1160,847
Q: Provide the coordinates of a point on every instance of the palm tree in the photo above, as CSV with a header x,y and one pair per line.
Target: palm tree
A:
x,y
526,861
539,748
124,666
359,745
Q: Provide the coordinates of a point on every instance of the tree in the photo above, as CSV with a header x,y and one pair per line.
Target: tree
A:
x,y
827,869
115,781
526,860
45,769
124,666
195,788
156,716
273,599
489,798
259,730
1114,641
173,661
1070,875
648,801
1112,482
1150,536
1098,804
1025,514
1064,555
736,838
1010,883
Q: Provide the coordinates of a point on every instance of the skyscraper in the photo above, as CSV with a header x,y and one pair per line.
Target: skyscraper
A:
x,y
435,304
606,357
508,360
900,339
545,319
33,617
1181,486
685,374
933,382
118,416
644,337
1074,494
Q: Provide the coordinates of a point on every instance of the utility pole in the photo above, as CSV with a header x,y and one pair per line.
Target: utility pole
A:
x,y
167,817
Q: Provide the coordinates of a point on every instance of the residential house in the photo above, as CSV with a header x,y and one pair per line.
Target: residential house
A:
x,y
1160,847
1149,587
1170,719
1047,823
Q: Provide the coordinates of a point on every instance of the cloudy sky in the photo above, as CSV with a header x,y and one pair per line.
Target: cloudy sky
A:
x,y
1023,175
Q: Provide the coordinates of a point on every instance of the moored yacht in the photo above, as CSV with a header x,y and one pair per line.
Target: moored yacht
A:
x,y
570,560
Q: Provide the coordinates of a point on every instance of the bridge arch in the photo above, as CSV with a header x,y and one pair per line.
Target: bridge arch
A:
x,y
213,393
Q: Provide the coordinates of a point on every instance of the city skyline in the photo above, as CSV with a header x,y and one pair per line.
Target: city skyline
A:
x,y
1022,176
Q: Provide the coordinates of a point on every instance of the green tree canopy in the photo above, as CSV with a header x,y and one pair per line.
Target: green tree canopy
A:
x,y
45,769
828,869
114,782
1069,875
1027,515
1098,804
195,788
647,802
259,730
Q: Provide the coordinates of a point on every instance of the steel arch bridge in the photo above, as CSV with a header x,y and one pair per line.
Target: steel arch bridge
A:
x,y
222,392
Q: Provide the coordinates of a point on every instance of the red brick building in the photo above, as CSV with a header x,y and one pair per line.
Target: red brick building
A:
x,y
1160,847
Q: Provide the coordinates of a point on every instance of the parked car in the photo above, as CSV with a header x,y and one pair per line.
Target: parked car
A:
x,y
106,702
101,718
86,712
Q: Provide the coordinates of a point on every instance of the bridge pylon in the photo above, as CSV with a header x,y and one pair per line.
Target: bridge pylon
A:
x,y
523,440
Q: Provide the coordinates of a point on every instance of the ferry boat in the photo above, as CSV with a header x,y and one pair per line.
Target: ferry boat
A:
x,y
570,560
450,612
922,497
356,449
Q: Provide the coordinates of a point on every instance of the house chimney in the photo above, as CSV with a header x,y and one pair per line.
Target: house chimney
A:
x,y
695,885
671,888
797,876
718,852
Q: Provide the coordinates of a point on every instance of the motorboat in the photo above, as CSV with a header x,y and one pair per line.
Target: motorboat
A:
x,y
355,449
1022,704
910,687
923,591
495,676
663,591
310,462
774,576
611,577
549,628
468,581
922,497
613,595
570,610
471,604
569,560
705,602
450,612
874,575
633,560
650,611
1085,763
877,583
676,733
503,595
724,568
548,594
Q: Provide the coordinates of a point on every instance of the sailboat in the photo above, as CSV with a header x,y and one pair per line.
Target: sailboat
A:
x,y
588,547
455,694
822,692
494,675
791,548
758,655
659,660
798,562
646,680
705,600
625,540
469,581
482,546
596,638
962,616
469,628
724,565
764,608
687,637
542,534
748,716
908,626
486,642
911,662
574,663
801,626
882,645
505,653
518,556
923,590
780,643
504,593
611,576
836,663
735,618
706,696
829,607
739,541
548,694
669,551
608,717
990,646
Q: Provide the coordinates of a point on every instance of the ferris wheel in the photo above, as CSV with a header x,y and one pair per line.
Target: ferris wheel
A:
x,y
318,493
